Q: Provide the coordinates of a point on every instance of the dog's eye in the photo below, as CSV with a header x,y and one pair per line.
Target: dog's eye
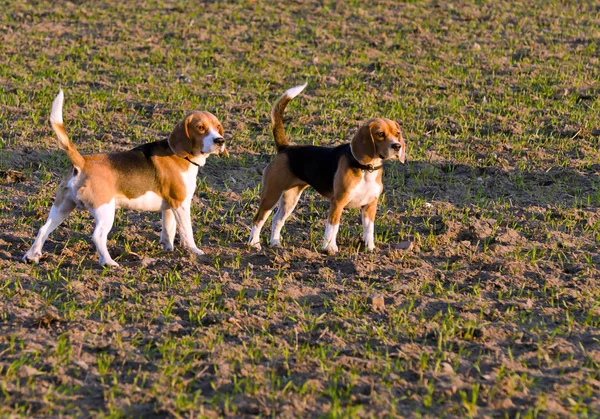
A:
x,y
381,134
200,127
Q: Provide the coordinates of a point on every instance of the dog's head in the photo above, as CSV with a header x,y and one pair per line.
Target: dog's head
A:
x,y
200,132
379,138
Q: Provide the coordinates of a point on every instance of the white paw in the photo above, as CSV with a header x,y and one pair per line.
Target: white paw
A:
x,y
108,262
32,257
275,243
370,247
255,246
330,249
167,247
196,251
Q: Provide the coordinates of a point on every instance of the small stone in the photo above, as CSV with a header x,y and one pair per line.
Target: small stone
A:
x,y
405,245
377,302
475,47
81,364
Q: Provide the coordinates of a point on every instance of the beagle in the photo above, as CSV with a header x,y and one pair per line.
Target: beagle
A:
x,y
348,175
158,176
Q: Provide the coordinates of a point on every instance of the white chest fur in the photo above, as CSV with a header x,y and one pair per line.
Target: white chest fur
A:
x,y
366,191
189,178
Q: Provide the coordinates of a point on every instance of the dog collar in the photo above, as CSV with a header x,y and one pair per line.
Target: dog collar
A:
x,y
188,159
368,167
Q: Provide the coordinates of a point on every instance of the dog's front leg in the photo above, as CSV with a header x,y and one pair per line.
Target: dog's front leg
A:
x,y
333,225
184,226
169,226
368,220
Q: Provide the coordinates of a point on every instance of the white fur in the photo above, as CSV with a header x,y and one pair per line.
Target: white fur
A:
x,y
184,224
199,160
104,214
105,217
209,145
181,217
169,226
189,179
368,232
150,201
254,239
329,243
402,152
57,215
294,91
57,105
367,190
285,209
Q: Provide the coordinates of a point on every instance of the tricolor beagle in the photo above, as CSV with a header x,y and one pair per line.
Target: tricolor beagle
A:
x,y
348,175
158,176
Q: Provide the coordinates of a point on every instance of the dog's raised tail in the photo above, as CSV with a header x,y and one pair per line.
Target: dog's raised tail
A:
x,y
56,120
277,116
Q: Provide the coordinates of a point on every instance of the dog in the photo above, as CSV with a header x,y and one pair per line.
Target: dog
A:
x,y
349,175
157,176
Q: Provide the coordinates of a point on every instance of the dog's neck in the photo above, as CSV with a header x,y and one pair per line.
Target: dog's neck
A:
x,y
197,161
373,165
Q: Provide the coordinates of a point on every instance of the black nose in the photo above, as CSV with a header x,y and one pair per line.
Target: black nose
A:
x,y
397,146
220,141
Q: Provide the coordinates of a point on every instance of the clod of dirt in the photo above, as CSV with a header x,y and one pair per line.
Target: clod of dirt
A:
x,y
447,368
12,176
27,371
47,317
377,302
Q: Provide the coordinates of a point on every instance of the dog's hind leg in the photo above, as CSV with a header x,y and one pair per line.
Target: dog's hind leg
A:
x,y
57,215
60,210
267,202
287,203
104,216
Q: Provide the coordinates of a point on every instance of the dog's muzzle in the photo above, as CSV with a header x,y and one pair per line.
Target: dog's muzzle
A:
x,y
219,141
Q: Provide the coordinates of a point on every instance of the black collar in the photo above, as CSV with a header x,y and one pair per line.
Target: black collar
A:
x,y
188,159
356,164
368,167
365,167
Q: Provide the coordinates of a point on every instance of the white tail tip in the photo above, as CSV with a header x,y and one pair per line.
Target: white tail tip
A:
x,y
57,105
294,91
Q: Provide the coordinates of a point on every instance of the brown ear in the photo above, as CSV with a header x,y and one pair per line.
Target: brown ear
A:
x,y
363,145
179,140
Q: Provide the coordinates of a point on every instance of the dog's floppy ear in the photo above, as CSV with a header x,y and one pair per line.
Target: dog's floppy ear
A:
x,y
363,145
179,140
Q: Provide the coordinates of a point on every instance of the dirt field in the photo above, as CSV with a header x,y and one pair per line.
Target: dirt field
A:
x,y
493,312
